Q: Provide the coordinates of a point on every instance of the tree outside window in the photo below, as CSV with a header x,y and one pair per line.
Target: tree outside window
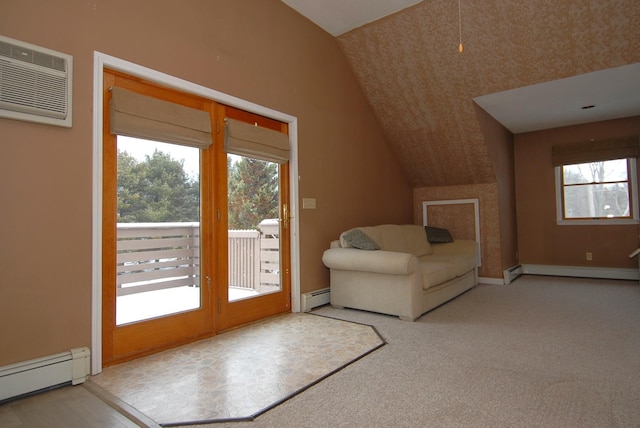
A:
x,y
253,192
156,189
596,190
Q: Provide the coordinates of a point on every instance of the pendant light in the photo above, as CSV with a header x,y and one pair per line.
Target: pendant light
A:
x,y
460,47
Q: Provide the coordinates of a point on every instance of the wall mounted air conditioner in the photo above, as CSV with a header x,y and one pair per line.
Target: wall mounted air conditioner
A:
x,y
35,83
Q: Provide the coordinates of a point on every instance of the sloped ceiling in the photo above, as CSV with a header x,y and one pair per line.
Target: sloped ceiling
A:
x,y
422,89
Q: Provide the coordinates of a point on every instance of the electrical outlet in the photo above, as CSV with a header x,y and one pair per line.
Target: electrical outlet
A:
x,y
589,256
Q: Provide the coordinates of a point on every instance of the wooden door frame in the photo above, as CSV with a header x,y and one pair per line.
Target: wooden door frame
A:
x,y
102,61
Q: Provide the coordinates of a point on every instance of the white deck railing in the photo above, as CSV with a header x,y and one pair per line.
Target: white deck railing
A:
x,y
269,270
244,259
155,256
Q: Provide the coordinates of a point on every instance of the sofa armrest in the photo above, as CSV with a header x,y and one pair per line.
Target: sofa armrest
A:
x,y
387,262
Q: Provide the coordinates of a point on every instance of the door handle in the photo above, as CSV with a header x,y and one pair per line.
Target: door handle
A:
x,y
285,216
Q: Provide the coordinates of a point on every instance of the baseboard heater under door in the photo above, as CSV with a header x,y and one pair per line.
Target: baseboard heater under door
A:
x,y
46,372
315,298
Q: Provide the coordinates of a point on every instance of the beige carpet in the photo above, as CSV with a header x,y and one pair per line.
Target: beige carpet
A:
x,y
239,374
541,352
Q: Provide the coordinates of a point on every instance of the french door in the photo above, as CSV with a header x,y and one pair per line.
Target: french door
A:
x,y
170,264
263,209
157,269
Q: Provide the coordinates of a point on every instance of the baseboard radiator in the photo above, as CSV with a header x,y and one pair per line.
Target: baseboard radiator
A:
x,y
582,272
512,273
41,373
315,298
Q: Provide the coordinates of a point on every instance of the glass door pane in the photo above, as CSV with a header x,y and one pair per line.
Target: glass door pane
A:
x,y
158,229
254,227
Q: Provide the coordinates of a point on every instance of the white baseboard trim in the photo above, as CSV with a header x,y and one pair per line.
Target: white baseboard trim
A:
x,y
581,272
490,281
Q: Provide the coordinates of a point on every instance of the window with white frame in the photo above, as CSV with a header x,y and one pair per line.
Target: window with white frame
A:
x,y
596,181
597,191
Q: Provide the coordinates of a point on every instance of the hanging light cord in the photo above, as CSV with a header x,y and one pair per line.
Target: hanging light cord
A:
x,y
460,47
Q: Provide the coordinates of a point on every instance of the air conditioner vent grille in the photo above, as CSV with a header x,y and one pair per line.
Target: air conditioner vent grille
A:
x,y
33,89
31,56
35,83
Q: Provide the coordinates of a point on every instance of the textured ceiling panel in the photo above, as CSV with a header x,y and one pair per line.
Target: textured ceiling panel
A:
x,y
421,88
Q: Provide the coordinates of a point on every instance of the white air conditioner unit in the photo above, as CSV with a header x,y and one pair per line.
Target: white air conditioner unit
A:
x,y
35,83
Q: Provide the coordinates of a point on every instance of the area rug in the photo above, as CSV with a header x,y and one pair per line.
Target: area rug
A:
x,y
240,374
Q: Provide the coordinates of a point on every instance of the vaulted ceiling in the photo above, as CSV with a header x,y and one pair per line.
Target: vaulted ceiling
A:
x,y
422,89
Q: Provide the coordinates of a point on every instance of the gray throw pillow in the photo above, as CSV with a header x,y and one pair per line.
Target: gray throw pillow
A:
x,y
437,235
358,239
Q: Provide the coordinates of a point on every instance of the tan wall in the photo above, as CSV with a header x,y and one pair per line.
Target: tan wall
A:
x,y
499,141
257,50
541,240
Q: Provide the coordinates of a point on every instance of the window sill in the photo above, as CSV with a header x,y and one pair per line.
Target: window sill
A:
x,y
597,222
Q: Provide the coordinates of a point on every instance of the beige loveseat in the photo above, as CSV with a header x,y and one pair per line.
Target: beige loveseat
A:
x,y
394,269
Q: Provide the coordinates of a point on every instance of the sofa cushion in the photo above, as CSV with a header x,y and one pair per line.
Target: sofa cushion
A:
x,y
435,273
417,243
385,235
406,238
438,234
460,263
356,238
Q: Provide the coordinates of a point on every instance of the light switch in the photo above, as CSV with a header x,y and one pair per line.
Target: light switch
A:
x,y
309,203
